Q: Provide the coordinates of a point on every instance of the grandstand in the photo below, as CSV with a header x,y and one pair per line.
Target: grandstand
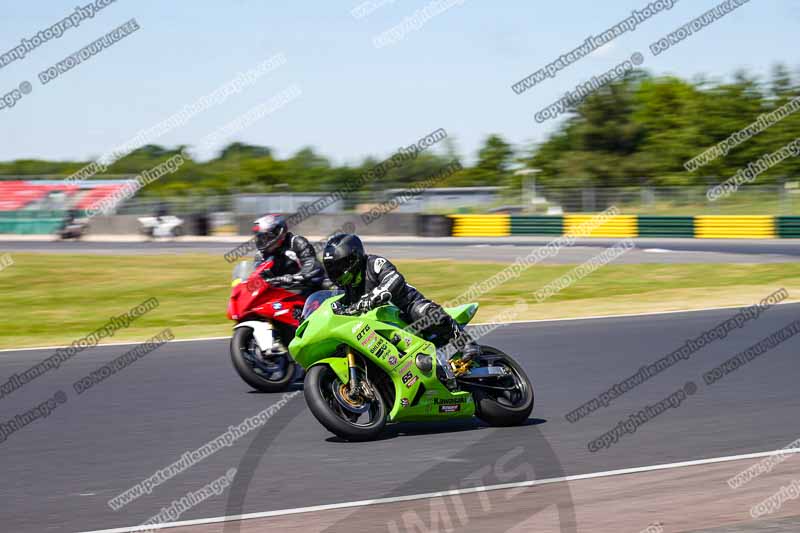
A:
x,y
38,206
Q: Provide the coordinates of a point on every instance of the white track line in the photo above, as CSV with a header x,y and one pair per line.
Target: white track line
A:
x,y
532,321
454,492
131,343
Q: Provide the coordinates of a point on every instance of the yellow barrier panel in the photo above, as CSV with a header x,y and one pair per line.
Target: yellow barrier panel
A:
x,y
734,227
481,225
616,226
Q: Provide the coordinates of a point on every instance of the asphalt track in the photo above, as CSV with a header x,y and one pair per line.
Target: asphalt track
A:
x,y
60,471
505,249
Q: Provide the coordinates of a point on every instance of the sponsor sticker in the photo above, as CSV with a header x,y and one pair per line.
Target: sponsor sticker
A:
x,y
409,379
450,401
379,347
360,334
368,339
449,408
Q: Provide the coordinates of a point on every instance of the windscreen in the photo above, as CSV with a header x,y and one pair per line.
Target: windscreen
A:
x,y
242,271
315,300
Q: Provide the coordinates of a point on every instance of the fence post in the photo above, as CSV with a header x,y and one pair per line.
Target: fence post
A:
x,y
588,200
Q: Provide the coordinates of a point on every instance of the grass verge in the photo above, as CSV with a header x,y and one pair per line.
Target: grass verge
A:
x,y
55,299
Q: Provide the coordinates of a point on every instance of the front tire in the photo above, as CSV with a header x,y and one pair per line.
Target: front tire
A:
x,y
509,408
254,372
321,384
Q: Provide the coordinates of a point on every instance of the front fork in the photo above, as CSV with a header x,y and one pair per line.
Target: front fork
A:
x,y
351,365
357,388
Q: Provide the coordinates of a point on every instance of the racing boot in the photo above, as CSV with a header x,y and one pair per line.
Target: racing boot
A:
x,y
444,370
468,349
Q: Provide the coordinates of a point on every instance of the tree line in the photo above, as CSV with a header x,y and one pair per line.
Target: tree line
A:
x,y
638,131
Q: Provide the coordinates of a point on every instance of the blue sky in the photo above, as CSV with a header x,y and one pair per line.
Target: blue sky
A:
x,y
455,72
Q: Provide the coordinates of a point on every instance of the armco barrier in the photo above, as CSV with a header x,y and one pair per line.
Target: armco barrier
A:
x,y
734,227
666,226
537,225
616,226
434,226
501,225
481,225
788,227
621,226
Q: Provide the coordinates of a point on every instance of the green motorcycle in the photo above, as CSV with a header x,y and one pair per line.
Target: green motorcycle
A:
x,y
364,371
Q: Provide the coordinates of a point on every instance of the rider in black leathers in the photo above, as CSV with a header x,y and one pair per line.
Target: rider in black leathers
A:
x,y
371,280
295,261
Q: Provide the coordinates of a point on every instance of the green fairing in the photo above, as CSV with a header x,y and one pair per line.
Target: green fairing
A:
x,y
323,332
462,313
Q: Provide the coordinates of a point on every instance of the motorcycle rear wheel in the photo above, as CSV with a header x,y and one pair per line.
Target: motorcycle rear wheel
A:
x,y
508,408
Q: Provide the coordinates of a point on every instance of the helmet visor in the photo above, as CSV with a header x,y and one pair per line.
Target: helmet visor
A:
x,y
268,240
340,271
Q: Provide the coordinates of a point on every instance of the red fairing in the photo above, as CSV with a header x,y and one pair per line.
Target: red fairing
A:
x,y
256,299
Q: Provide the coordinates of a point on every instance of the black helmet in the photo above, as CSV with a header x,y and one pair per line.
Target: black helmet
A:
x,y
344,259
270,231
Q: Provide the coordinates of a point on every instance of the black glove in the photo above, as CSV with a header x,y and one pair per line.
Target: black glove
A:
x,y
380,299
363,305
281,281
370,301
342,309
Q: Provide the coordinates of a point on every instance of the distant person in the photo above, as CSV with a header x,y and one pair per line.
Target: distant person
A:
x,y
72,226
162,211
70,216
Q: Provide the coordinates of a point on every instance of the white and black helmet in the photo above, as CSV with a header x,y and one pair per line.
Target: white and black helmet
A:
x,y
270,232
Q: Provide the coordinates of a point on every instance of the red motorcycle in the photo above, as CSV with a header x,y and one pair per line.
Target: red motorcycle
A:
x,y
266,318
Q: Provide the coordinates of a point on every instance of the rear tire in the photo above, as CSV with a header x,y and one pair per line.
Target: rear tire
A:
x,y
241,345
499,410
319,381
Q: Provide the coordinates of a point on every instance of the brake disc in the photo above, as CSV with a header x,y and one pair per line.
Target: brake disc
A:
x,y
342,395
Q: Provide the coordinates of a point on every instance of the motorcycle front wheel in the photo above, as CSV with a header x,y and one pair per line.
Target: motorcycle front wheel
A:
x,y
352,419
273,374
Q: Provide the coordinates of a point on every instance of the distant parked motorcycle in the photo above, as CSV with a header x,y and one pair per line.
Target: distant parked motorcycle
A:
x,y
161,227
266,318
73,226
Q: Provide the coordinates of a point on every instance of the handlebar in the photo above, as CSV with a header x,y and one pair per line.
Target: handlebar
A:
x,y
351,310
